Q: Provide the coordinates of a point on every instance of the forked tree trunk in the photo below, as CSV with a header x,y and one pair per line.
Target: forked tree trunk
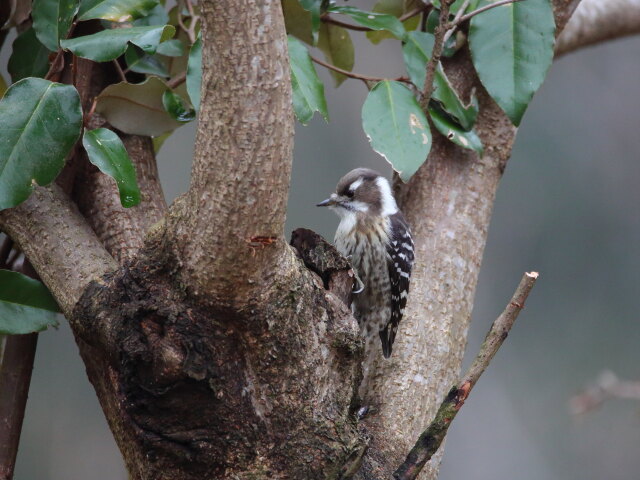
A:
x,y
215,350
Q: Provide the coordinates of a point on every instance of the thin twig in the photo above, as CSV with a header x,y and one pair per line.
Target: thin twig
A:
x,y
358,76
191,29
456,20
466,17
121,74
327,18
431,439
177,80
438,45
55,68
606,387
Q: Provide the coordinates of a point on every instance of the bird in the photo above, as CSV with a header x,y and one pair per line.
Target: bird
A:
x,y
374,235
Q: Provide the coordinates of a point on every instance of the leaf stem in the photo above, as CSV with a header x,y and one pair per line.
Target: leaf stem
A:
x,y
438,45
456,20
177,80
365,78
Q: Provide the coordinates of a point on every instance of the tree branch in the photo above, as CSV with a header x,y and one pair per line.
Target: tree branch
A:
x,y
432,64
242,163
365,78
15,375
595,21
327,18
58,242
607,386
433,436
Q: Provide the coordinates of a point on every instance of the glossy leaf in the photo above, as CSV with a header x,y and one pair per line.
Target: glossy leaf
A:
x,y
512,49
314,7
417,51
140,62
115,10
306,87
29,58
107,152
396,8
157,16
40,122
52,20
335,42
110,44
136,108
373,20
454,133
171,48
297,20
194,73
174,105
397,127
26,306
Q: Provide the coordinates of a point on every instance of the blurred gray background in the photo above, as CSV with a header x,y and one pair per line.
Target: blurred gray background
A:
x,y
567,207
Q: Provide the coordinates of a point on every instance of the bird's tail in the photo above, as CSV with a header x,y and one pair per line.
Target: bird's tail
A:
x,y
387,335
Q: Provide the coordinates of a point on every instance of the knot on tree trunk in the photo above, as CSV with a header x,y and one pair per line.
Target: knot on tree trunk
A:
x,y
251,392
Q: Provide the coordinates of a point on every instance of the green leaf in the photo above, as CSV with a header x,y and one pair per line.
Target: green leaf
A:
x,y
373,20
26,306
454,133
29,58
3,86
140,62
297,20
106,151
174,105
335,42
314,7
171,48
194,73
397,127
115,10
306,87
453,8
157,16
512,49
159,141
397,8
136,108
40,122
417,51
52,20
110,44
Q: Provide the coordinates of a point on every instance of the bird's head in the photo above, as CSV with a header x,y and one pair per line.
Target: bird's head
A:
x,y
362,191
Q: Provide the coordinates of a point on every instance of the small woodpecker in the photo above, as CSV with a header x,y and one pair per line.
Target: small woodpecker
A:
x,y
375,237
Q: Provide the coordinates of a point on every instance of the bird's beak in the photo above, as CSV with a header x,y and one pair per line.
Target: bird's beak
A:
x,y
326,203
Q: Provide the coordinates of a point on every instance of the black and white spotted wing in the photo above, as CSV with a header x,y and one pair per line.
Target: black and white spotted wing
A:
x,y
400,262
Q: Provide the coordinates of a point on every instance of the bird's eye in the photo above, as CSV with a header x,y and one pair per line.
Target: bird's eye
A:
x,y
349,193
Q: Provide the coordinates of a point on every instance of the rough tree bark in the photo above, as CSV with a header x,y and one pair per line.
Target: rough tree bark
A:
x,y
217,351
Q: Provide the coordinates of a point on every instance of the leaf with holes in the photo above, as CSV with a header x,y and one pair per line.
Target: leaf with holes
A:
x,y
194,73
115,10
397,127
512,50
372,20
306,87
29,58
136,108
52,20
40,122
106,151
397,8
454,132
337,47
417,51
26,306
110,44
